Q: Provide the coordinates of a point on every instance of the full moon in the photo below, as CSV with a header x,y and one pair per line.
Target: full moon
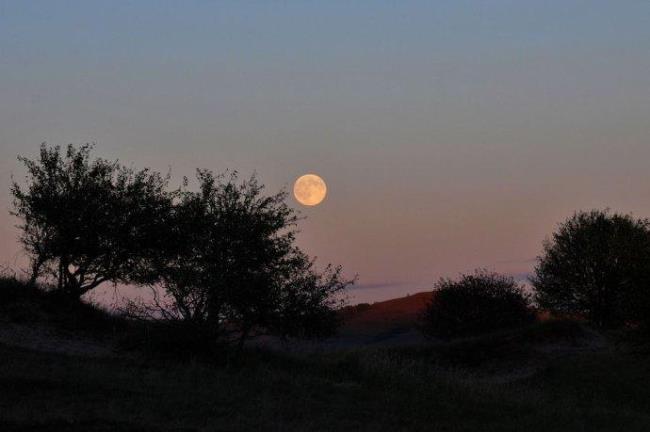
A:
x,y
310,190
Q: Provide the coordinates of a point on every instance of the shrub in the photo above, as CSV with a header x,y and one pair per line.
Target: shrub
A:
x,y
597,265
475,304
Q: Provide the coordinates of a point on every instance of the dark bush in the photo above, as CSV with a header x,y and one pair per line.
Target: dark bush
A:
x,y
24,302
361,307
597,265
475,304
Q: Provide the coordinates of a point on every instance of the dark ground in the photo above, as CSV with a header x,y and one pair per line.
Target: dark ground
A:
x,y
80,371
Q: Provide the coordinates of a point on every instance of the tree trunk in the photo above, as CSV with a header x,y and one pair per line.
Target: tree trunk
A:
x,y
36,269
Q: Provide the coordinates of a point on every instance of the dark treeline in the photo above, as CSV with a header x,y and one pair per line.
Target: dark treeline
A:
x,y
224,254
595,267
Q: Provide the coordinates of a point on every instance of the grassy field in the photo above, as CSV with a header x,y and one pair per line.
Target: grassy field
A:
x,y
405,389
549,377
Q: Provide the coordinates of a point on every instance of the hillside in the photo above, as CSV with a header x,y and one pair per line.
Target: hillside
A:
x,y
395,315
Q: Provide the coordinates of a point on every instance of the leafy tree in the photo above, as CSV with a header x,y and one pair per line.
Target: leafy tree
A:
x,y
86,222
236,271
475,304
597,265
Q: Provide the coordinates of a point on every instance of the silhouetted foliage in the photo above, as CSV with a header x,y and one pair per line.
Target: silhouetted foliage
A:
x,y
475,304
234,270
24,302
360,307
224,254
85,222
597,265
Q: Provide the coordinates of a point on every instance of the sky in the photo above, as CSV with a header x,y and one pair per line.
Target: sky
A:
x,y
452,135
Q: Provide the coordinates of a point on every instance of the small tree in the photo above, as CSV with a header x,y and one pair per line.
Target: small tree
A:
x,y
86,222
236,270
597,265
475,304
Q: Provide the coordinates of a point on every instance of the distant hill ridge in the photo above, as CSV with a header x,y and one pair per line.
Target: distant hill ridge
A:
x,y
390,315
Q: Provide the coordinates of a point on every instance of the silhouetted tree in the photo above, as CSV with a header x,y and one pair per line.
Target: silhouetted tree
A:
x,y
87,221
597,265
475,304
235,269
307,303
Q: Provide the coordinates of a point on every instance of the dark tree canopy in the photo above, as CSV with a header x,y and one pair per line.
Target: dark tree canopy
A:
x,y
225,254
475,304
86,222
235,269
597,265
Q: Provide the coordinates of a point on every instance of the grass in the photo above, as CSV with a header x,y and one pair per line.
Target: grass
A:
x,y
361,390
470,385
